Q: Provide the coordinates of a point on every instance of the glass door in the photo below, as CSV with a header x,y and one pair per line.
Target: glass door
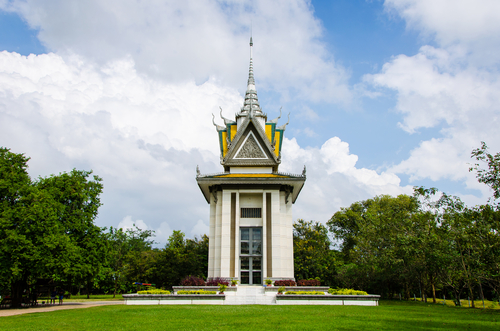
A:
x,y
251,256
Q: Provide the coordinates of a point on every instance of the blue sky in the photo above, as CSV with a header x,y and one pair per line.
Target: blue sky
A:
x,y
383,95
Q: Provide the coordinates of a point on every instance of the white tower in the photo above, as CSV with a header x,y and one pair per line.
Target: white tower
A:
x,y
251,225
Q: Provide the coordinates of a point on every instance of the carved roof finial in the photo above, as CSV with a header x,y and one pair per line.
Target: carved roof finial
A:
x,y
277,118
226,121
283,127
217,127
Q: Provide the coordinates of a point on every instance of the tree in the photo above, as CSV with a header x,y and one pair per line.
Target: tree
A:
x,y
126,248
386,237
312,254
78,199
180,258
46,226
491,175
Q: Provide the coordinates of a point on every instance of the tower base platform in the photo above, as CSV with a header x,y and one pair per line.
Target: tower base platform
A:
x,y
251,295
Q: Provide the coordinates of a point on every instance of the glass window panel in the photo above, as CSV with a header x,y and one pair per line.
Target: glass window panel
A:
x,y
244,248
245,234
256,263
245,277
256,234
245,263
256,278
257,248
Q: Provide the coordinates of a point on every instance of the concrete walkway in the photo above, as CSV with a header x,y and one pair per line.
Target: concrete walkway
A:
x,y
69,305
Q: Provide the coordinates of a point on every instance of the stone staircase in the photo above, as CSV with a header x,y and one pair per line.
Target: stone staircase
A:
x,y
250,295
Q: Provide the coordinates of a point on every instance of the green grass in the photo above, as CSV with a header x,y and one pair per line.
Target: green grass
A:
x,y
390,315
465,303
100,297
83,298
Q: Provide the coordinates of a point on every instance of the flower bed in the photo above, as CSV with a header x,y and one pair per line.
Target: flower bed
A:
x,y
153,292
196,292
285,282
216,281
309,282
304,293
345,291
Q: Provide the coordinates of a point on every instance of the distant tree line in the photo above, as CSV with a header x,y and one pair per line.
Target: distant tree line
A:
x,y
420,245
423,245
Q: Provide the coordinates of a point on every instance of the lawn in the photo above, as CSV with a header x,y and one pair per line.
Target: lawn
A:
x,y
83,298
390,315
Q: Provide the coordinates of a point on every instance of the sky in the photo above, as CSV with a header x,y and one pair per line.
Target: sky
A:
x,y
382,95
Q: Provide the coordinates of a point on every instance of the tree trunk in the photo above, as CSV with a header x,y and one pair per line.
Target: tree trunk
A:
x,y
16,294
88,293
482,295
433,288
116,284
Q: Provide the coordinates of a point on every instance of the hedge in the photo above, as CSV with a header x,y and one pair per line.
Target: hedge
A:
x,y
153,292
346,291
305,293
196,292
285,282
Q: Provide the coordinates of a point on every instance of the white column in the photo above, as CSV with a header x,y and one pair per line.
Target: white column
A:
x,y
218,219
264,236
276,230
211,238
283,237
225,251
237,238
289,234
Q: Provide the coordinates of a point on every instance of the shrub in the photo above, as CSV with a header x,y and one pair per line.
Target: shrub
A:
x,y
234,282
155,291
192,281
281,289
285,282
215,281
196,292
309,282
305,292
346,291
222,288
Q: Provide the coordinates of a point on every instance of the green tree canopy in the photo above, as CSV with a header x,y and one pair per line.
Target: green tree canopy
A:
x,y
46,226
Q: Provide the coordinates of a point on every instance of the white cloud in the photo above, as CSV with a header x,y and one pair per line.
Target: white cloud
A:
x,y
474,25
142,136
194,40
453,86
333,181
200,229
128,224
163,232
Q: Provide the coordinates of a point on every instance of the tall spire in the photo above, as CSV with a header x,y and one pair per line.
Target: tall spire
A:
x,y
251,101
251,80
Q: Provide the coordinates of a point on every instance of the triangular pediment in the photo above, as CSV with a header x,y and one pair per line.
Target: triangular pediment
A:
x,y
250,147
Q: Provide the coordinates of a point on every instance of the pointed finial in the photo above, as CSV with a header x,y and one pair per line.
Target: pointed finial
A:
x,y
217,127
277,118
283,127
226,121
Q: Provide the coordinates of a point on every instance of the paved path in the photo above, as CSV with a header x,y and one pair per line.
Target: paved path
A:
x,y
69,305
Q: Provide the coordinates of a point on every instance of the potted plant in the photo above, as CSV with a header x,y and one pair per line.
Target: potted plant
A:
x,y
234,282
281,289
268,282
222,288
